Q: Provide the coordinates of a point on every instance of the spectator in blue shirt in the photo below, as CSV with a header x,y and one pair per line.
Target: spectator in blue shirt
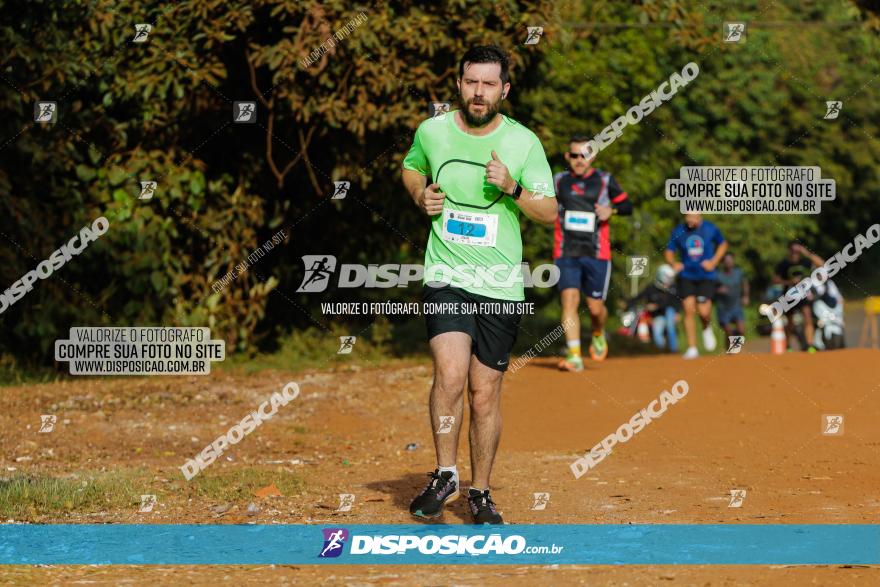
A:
x,y
701,247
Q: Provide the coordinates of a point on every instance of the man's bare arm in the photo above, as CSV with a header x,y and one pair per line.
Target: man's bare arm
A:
x,y
414,182
669,256
428,198
815,259
538,207
719,253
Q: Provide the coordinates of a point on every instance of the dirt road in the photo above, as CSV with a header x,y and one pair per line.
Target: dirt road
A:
x,y
749,421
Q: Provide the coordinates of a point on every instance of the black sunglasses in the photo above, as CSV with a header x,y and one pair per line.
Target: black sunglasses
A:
x,y
577,155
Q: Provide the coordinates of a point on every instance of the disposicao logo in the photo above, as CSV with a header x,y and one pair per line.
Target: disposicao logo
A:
x,y
334,540
320,268
430,544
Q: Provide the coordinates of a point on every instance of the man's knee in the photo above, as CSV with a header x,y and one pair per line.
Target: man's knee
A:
x,y
484,386
484,401
570,299
450,381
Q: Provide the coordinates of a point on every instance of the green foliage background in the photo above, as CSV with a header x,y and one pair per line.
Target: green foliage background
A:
x,y
161,110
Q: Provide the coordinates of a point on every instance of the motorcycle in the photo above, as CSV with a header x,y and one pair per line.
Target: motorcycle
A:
x,y
828,321
828,313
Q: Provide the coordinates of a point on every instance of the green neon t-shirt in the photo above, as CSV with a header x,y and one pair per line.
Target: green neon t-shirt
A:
x,y
475,243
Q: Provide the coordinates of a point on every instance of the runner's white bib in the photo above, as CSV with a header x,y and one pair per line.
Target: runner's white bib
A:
x,y
470,228
580,221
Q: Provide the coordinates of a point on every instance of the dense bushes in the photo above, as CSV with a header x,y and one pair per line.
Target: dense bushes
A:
x,y
162,111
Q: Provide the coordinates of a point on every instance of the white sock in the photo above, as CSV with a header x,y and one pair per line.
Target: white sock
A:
x,y
574,344
454,470
480,490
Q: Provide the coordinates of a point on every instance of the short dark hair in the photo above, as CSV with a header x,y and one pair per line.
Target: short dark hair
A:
x,y
486,54
793,242
579,139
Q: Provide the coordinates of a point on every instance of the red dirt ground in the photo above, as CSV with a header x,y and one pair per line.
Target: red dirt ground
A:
x,y
749,421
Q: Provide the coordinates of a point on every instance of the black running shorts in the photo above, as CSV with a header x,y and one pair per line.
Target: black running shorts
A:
x,y
492,334
703,289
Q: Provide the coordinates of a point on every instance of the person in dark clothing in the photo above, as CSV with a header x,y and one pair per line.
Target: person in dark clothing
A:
x,y
798,263
664,306
731,295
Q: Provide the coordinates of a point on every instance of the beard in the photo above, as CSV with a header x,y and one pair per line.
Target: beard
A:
x,y
489,111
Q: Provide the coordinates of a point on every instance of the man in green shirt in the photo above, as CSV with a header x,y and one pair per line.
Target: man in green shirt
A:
x,y
485,169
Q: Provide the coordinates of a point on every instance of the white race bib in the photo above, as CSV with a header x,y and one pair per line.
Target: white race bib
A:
x,y
470,228
580,221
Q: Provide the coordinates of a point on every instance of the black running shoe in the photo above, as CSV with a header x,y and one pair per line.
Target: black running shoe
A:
x,y
483,508
441,490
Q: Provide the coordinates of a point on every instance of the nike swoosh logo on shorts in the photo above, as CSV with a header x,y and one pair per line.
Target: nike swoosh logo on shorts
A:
x,y
501,363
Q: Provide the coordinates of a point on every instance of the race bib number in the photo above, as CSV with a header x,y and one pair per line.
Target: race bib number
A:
x,y
469,228
580,221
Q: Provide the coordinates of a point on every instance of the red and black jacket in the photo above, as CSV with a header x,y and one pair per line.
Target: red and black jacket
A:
x,y
582,193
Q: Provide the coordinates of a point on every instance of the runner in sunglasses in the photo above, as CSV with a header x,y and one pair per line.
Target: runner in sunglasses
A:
x,y
588,198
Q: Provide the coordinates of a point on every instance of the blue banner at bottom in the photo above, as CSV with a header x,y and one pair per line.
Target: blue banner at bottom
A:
x,y
593,544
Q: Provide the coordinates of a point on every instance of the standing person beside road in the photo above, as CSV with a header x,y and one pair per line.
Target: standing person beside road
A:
x,y
701,246
486,169
731,296
663,304
797,264
588,198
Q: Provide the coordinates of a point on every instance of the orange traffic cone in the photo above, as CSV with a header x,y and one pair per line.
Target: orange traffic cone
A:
x,y
778,340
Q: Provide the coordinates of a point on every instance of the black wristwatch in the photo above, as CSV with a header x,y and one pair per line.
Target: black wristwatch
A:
x,y
517,192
